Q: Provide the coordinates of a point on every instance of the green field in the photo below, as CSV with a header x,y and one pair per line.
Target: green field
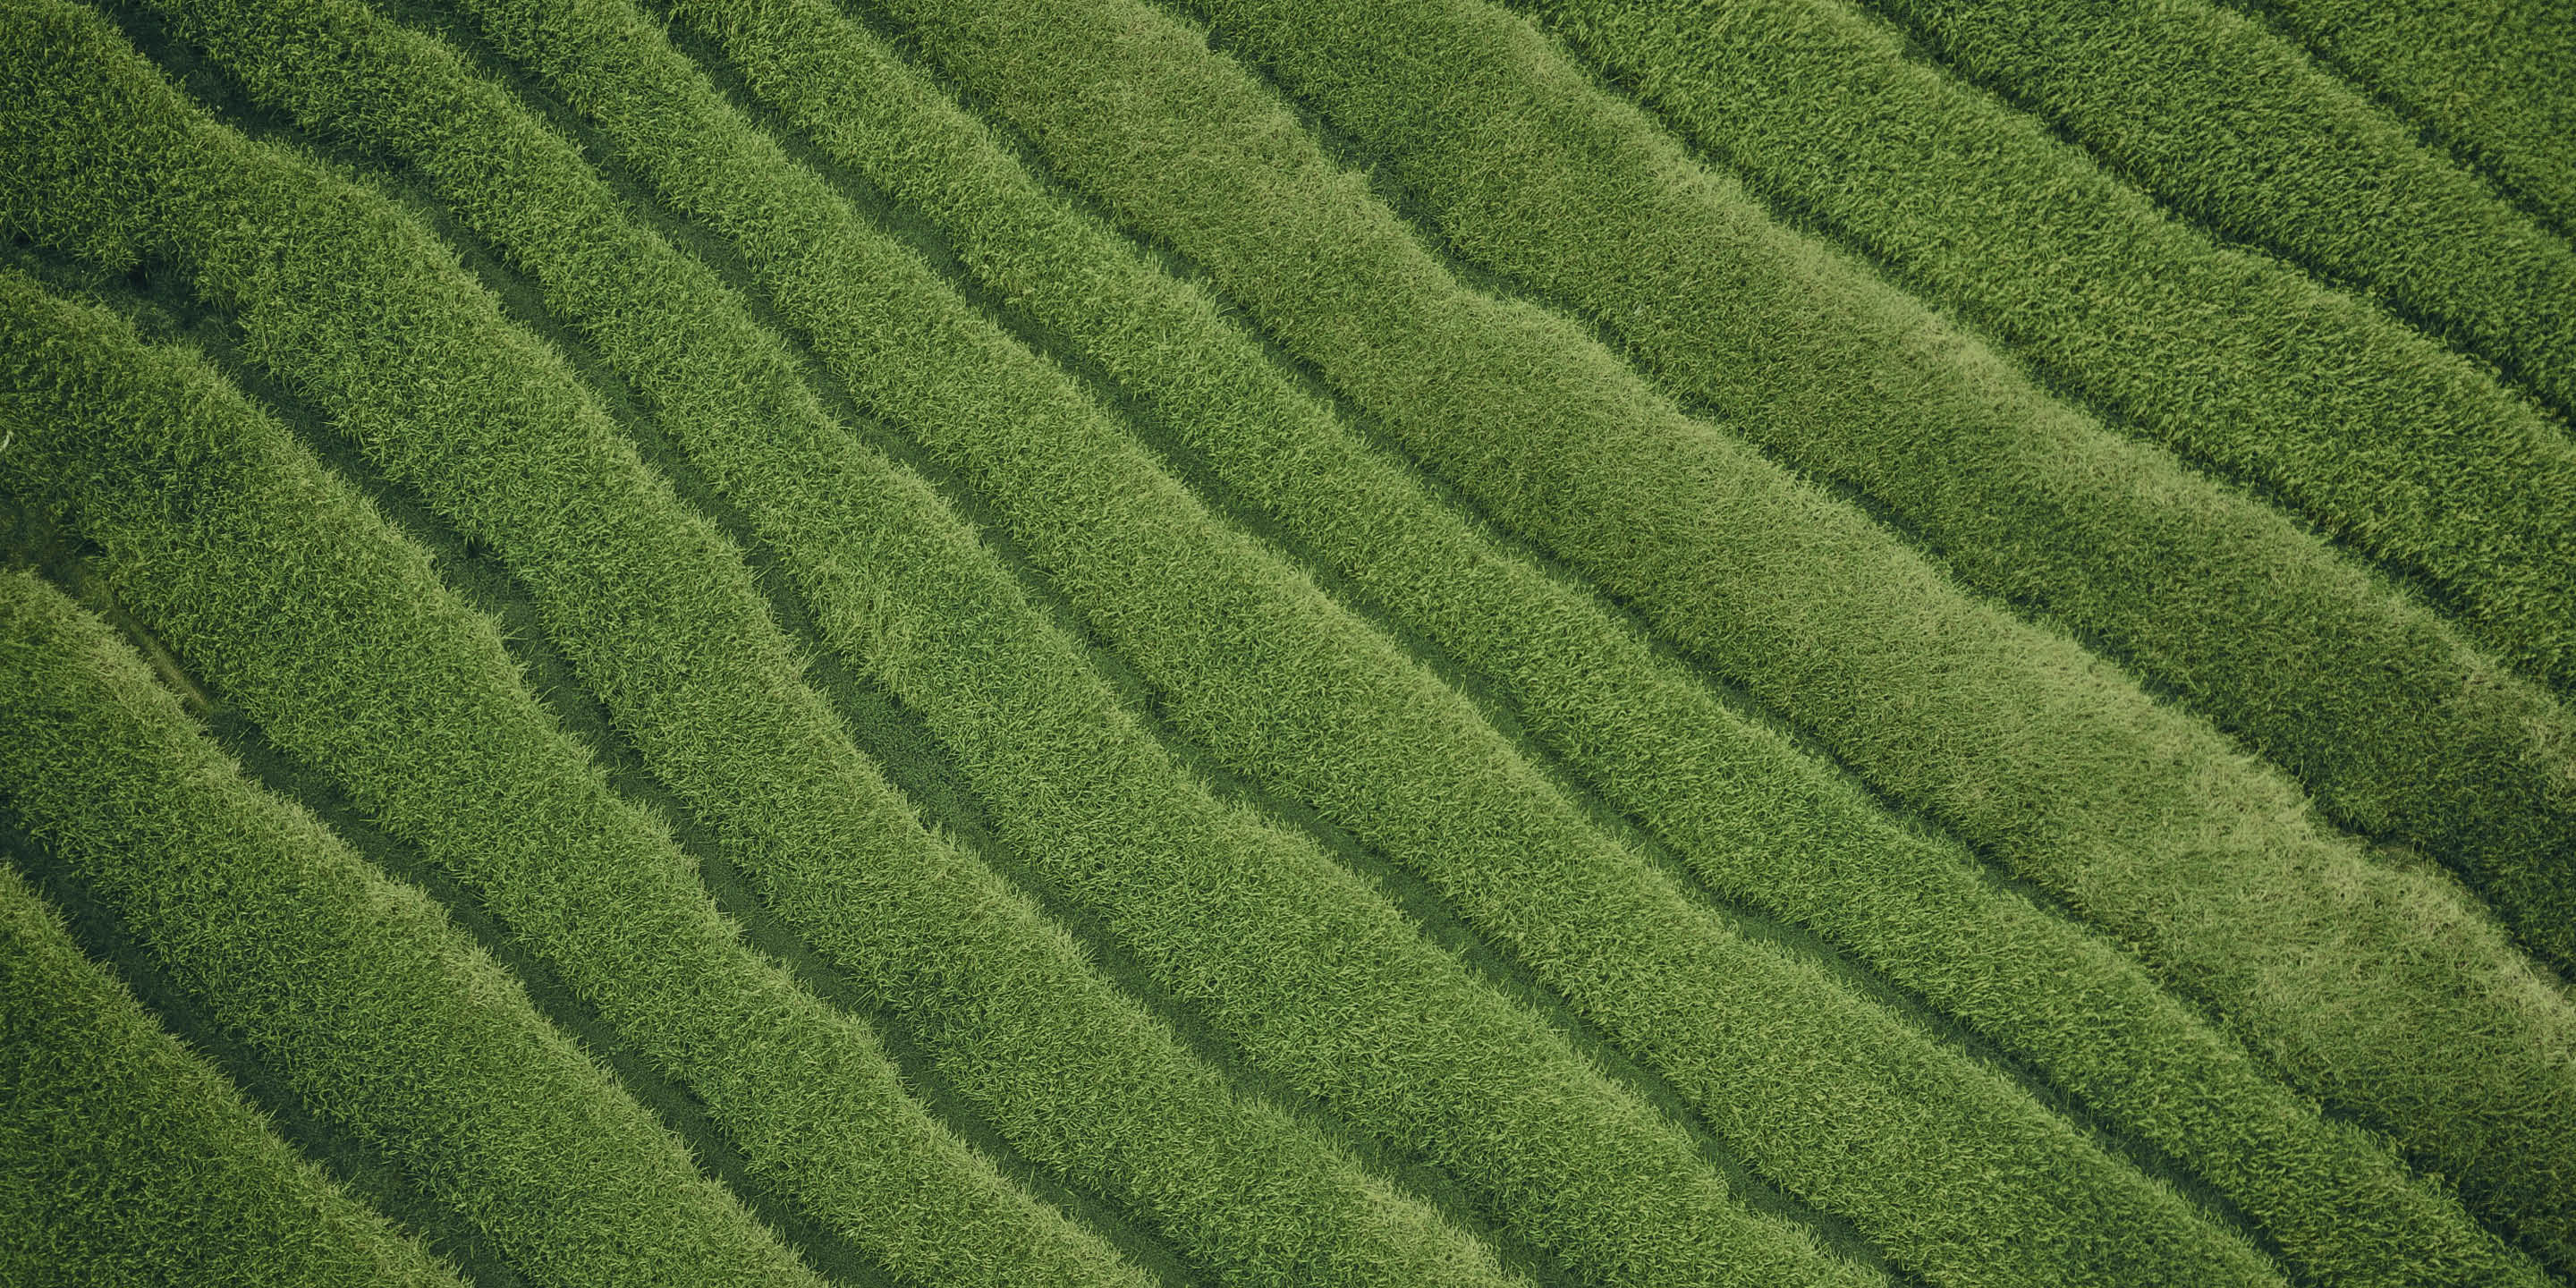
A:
x,y
1176,643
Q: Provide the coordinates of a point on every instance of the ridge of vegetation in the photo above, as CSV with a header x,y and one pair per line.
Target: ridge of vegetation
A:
x,y
2490,79
381,1014
2397,724
2239,130
1310,974
1121,538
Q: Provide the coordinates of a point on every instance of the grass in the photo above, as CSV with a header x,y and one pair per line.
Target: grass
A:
x,y
2144,821
2300,653
1116,534
2489,81
374,1008
2238,130
1029,643
98,1096
1007,1003
1655,740
2255,349
410,704
2240,134
958,626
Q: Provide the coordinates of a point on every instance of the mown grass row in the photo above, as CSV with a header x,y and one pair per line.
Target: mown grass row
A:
x,y
2379,988
1307,971
124,1156
2491,80
387,684
1292,692
2239,130
1530,171
670,629
2370,429
1722,788
375,1010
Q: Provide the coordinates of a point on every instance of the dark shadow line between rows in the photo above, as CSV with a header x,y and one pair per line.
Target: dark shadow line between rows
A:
x,y
1630,829
1385,183
1409,890
358,1167
851,696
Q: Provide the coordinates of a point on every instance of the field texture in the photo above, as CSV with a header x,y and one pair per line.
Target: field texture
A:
x,y
1183,643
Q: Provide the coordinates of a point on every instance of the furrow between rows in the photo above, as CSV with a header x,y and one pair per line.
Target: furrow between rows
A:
x,y
1250,659
1288,954
2263,626
2240,132
2223,122
164,315
2492,80
2404,452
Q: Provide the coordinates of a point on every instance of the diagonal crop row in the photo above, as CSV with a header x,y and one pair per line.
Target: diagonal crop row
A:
x,y
2492,79
2396,723
2375,987
378,1012
1295,694
2366,427
1725,790
710,691
124,1156
1308,972
2239,130
409,703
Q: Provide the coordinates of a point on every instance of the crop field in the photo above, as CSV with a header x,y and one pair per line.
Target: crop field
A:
x,y
1360,643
